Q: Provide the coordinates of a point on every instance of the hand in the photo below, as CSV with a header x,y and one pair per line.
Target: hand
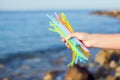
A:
x,y
84,37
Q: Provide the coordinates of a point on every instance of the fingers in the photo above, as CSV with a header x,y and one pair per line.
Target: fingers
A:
x,y
68,37
79,35
67,45
63,40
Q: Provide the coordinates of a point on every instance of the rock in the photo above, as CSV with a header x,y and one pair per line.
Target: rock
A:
x,y
1,66
78,73
50,75
113,64
102,57
109,77
106,56
91,65
100,79
6,78
117,78
115,57
101,72
117,71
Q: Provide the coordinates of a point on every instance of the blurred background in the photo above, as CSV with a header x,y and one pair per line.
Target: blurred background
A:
x,y
29,51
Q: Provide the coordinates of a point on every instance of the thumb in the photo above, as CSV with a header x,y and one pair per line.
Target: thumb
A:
x,y
70,36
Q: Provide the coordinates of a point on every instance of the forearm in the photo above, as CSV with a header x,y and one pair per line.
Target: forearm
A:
x,y
110,41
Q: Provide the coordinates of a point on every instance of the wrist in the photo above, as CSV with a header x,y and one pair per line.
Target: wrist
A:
x,y
92,40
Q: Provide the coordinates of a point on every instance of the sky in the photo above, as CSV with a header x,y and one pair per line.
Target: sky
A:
x,y
58,4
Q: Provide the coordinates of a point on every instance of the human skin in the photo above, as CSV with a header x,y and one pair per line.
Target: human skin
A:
x,y
106,41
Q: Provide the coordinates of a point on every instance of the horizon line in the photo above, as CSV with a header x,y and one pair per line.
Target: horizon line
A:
x,y
61,9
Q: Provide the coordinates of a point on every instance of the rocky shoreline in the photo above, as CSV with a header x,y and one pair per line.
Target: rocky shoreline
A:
x,y
106,62
114,13
105,66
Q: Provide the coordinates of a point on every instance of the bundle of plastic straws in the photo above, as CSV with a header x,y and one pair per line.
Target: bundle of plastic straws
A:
x,y
62,26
